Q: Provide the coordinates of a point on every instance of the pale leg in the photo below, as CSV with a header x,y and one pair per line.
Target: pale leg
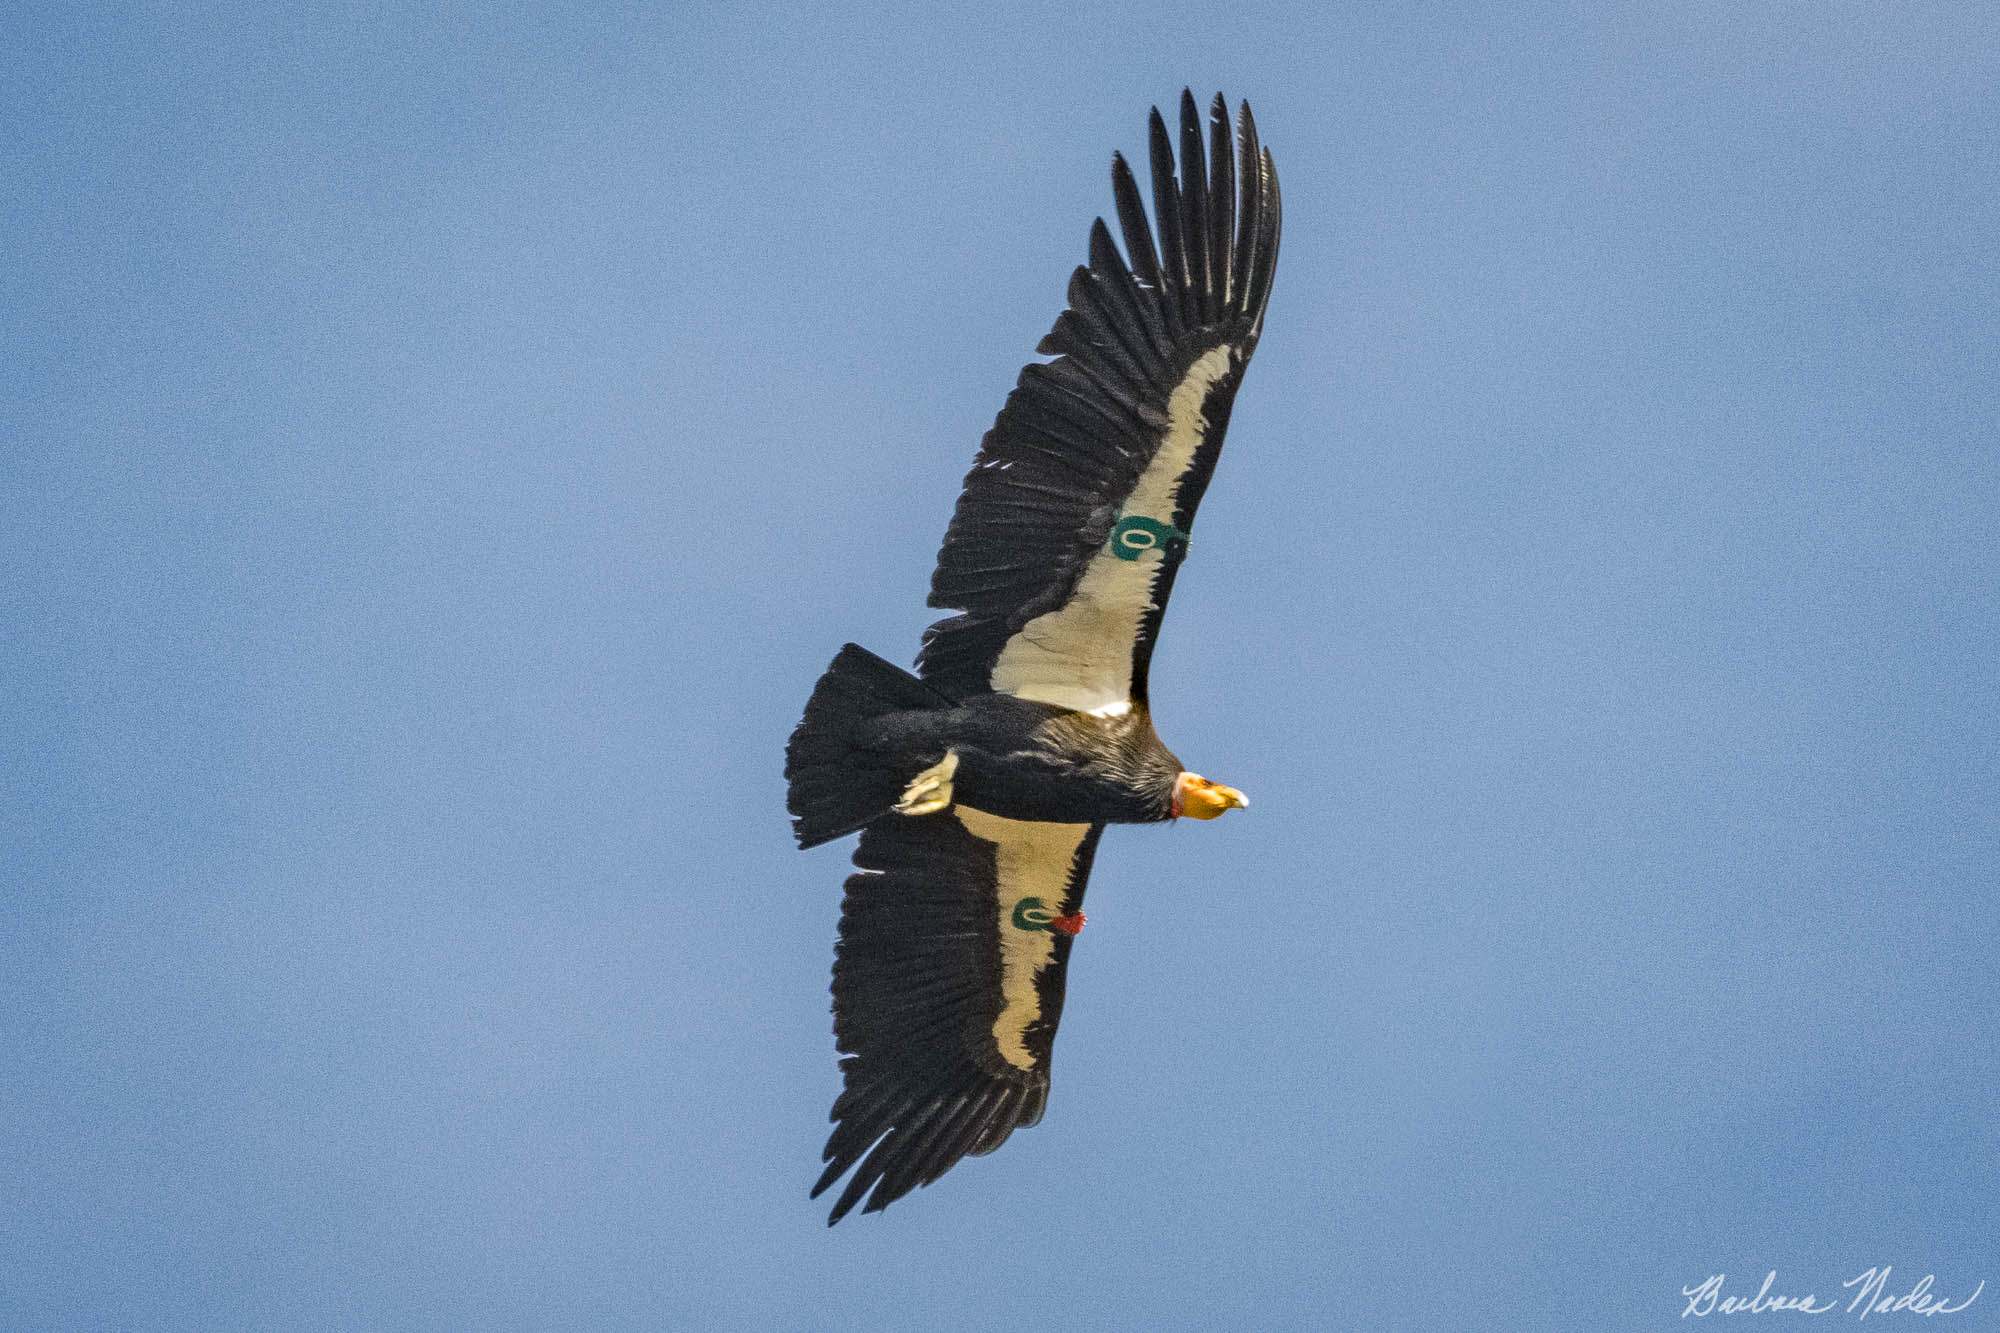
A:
x,y
930,790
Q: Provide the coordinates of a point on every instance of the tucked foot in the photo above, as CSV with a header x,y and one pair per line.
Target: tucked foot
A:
x,y
930,790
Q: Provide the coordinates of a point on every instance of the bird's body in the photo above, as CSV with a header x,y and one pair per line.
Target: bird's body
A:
x,y
982,784
1021,759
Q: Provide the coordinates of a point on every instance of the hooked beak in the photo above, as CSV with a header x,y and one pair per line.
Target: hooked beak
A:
x,y
1198,798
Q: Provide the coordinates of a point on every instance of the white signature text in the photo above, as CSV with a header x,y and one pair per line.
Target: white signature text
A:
x,y
1871,1295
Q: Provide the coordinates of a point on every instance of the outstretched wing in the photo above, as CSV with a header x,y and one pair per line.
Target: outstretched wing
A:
x,y
1076,513
947,987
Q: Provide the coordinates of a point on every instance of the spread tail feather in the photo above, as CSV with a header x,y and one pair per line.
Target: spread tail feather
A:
x,y
836,784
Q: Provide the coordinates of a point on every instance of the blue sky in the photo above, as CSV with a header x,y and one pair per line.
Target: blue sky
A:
x,y
444,446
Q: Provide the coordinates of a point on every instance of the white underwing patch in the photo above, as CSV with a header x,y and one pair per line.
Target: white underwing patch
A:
x,y
1031,860
1080,654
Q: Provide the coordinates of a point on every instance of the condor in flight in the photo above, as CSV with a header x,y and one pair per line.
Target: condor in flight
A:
x,y
981,784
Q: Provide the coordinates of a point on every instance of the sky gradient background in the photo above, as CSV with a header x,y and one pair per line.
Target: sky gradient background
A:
x,y
442,448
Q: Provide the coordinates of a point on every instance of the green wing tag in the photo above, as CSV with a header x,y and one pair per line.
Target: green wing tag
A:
x,y
1030,914
1135,534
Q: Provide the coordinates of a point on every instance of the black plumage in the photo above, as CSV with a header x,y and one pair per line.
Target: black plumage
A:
x,y
981,785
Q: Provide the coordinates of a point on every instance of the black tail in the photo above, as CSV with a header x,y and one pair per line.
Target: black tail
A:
x,y
836,785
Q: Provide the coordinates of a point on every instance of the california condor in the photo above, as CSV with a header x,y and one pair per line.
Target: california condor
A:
x,y
981,784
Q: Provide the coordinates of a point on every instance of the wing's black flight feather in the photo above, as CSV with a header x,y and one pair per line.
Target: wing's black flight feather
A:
x,y
917,990
1194,212
1221,200
1078,431
1167,212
